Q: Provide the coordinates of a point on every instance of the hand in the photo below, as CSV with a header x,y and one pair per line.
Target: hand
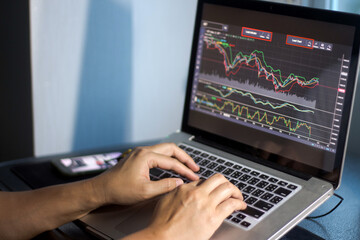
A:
x,y
195,210
128,182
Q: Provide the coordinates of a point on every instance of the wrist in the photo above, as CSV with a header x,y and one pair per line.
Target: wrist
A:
x,y
97,192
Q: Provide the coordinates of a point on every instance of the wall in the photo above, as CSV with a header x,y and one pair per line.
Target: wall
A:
x,y
108,71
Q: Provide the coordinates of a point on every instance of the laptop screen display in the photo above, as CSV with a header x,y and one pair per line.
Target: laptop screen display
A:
x,y
273,82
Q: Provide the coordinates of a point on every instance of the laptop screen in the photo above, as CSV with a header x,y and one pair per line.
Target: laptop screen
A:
x,y
275,81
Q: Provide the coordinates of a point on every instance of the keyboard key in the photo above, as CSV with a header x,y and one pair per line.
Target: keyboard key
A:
x,y
245,196
251,200
229,164
236,174
241,216
273,180
263,176
198,159
189,149
244,177
263,205
234,181
248,189
267,196
196,152
182,146
212,165
257,192
201,170
166,175
292,187
235,220
282,192
228,171
204,163
156,172
212,158
237,167
253,212
271,187
262,184
208,173
229,217
282,183
192,155
220,161
246,170
245,223
219,168
204,155
254,173
253,181
276,199
241,186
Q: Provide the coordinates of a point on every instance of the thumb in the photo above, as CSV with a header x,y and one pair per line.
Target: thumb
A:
x,y
163,186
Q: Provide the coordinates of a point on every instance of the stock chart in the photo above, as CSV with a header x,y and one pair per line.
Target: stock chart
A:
x,y
269,84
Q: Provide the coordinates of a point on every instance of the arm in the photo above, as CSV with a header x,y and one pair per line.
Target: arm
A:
x,y
25,214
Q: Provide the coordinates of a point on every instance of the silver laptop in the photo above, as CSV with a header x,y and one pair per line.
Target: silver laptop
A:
x,y
268,105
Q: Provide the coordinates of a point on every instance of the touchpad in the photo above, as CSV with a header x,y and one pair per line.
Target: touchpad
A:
x,y
139,220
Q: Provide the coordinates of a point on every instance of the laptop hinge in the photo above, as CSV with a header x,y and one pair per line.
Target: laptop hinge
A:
x,y
251,157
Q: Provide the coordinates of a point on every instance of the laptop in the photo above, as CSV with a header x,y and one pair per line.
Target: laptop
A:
x,y
268,104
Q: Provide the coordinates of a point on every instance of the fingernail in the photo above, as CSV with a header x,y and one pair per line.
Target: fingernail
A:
x,y
179,182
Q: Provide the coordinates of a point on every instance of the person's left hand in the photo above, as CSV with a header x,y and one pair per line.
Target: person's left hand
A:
x,y
128,182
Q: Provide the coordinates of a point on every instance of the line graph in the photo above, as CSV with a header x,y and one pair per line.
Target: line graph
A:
x,y
230,91
256,59
244,111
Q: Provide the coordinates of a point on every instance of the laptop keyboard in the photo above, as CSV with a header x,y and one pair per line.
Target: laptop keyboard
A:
x,y
262,192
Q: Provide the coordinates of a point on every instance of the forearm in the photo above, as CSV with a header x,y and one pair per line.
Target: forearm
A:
x,y
26,214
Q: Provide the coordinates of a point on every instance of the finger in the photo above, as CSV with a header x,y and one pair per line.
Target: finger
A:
x,y
224,192
213,182
168,163
228,206
155,188
172,150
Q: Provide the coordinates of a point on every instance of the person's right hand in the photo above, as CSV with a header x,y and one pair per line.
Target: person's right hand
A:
x,y
195,210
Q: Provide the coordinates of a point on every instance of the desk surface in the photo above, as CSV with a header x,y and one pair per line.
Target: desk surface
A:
x,y
343,223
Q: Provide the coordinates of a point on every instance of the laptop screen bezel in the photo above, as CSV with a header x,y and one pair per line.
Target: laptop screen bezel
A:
x,y
286,10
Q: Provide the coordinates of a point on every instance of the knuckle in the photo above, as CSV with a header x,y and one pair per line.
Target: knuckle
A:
x,y
231,205
172,145
229,185
191,196
146,192
140,151
219,176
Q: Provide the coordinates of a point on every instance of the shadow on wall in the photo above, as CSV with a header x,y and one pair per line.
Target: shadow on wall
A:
x,y
102,117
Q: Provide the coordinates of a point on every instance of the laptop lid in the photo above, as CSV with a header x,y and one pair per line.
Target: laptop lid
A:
x,y
274,83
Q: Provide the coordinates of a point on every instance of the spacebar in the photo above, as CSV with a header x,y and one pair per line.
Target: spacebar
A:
x,y
252,212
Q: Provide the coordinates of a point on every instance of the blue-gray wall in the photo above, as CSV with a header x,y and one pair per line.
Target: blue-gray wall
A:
x,y
108,71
